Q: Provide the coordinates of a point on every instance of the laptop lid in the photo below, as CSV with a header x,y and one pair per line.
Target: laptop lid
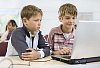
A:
x,y
87,40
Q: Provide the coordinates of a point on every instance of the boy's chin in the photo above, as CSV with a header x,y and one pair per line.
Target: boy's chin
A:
x,y
37,30
69,26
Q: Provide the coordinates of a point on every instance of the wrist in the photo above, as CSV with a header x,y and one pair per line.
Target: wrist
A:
x,y
55,52
38,55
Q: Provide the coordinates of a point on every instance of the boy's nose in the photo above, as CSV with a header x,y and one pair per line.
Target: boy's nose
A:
x,y
71,20
39,23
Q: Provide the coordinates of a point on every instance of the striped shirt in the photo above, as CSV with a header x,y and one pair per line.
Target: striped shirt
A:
x,y
57,39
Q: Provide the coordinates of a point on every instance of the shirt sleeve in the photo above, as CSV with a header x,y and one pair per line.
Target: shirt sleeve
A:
x,y
50,39
41,53
18,41
42,44
4,37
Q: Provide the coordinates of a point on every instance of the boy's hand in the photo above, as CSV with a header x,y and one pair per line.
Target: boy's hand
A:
x,y
64,50
30,55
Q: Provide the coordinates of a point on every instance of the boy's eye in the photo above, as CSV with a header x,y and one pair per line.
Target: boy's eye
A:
x,y
37,20
69,17
73,17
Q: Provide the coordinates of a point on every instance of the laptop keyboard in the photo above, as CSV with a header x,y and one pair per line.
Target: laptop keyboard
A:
x,y
67,57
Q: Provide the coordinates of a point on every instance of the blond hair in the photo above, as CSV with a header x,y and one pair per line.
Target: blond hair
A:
x,y
29,11
67,9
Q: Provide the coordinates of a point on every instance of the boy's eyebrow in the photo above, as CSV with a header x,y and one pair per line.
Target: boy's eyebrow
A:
x,y
37,19
69,16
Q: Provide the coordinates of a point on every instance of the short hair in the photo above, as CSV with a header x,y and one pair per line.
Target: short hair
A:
x,y
67,9
29,11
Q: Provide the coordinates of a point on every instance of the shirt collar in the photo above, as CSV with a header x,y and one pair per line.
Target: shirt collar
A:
x,y
59,31
35,34
29,33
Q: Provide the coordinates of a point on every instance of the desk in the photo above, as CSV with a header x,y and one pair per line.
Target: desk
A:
x,y
45,63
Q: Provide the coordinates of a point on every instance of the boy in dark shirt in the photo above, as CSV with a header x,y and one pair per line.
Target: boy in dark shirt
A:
x,y
27,40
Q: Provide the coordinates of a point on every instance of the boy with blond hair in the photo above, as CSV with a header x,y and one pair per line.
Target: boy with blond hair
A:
x,y
28,41
61,38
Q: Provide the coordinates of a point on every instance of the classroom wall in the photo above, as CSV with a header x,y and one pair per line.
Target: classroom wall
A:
x,y
88,10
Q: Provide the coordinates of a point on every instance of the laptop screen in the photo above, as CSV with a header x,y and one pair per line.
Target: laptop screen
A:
x,y
87,40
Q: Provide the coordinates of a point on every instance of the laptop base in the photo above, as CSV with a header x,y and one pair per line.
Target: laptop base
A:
x,y
77,61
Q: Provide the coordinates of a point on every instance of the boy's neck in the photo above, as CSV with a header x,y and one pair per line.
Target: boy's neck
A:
x,y
32,33
67,30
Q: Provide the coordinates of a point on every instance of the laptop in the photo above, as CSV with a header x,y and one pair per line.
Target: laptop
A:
x,y
86,44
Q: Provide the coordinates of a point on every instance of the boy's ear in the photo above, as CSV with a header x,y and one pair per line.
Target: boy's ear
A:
x,y
60,19
24,20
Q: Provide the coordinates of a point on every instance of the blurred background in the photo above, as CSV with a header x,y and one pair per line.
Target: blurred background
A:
x,y
88,10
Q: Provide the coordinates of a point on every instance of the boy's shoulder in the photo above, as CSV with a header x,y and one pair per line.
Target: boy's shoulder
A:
x,y
19,30
56,29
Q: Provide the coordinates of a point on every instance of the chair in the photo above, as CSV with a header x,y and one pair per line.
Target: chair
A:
x,y
3,48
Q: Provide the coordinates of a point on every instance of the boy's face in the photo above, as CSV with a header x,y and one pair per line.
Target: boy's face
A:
x,y
33,24
68,21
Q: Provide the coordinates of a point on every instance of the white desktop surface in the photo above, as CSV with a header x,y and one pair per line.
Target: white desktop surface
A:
x,y
43,63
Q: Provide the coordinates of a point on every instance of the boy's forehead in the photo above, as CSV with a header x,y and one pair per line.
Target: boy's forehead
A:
x,y
68,15
36,16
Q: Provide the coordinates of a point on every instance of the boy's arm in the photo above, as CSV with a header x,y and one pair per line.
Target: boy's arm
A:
x,y
50,39
4,37
42,44
18,41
